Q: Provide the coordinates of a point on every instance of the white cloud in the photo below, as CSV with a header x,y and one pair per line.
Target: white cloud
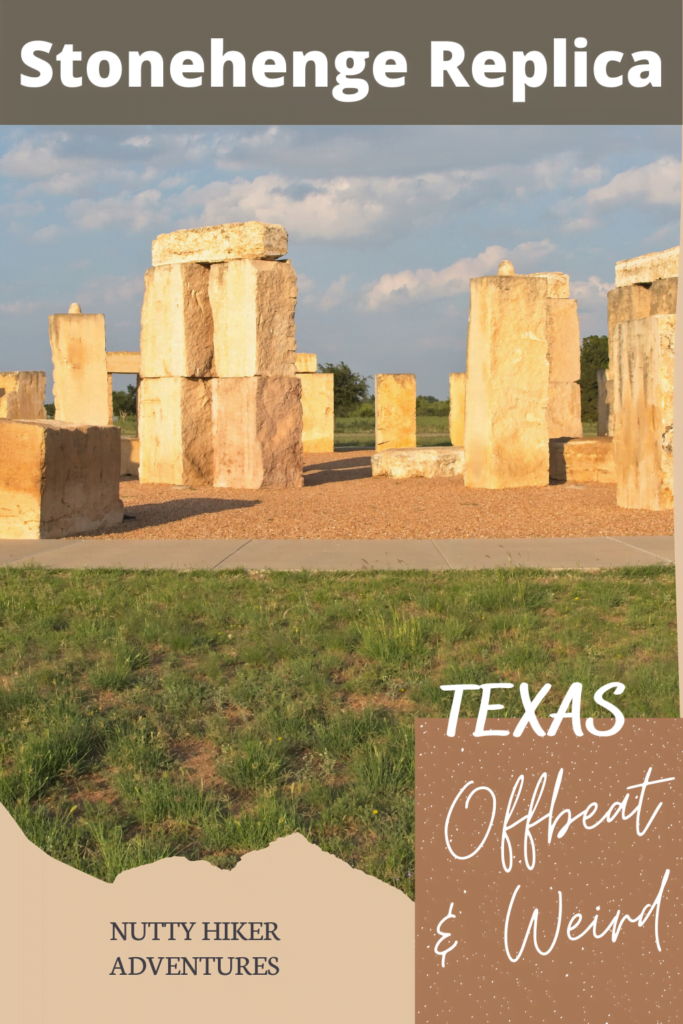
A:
x,y
21,306
425,284
138,210
46,233
335,293
654,184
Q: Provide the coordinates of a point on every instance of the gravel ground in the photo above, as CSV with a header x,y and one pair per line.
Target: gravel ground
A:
x,y
340,499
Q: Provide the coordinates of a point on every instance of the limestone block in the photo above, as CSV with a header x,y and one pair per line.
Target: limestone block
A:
x,y
174,426
402,463
605,389
456,416
257,427
57,479
631,302
317,404
123,362
176,336
80,369
564,341
253,304
506,405
22,395
557,284
130,456
249,240
395,410
564,410
646,269
306,362
643,412
582,460
663,296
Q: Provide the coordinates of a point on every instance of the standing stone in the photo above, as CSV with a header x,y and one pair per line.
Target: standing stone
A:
x,y
257,427
456,415
253,304
80,369
564,367
317,406
176,337
22,395
250,240
506,406
57,479
605,391
643,412
174,426
306,362
395,411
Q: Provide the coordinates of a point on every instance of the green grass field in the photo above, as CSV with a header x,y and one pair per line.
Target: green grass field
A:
x,y
144,714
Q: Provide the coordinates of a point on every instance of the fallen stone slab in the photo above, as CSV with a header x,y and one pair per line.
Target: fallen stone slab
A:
x,y
249,240
402,463
58,479
22,395
582,460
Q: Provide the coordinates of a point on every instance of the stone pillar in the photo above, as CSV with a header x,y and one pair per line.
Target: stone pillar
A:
x,y
80,370
58,479
253,304
506,405
317,404
22,395
564,368
257,425
395,411
174,427
643,412
644,286
176,337
605,390
456,416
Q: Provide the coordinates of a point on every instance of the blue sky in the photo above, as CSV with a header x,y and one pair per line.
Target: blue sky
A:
x,y
386,224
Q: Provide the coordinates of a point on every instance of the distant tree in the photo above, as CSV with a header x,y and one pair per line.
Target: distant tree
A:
x,y
427,405
50,410
125,403
594,356
350,389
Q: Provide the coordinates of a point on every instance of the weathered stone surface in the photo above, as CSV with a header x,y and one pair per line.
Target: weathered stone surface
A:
x,y
123,362
249,240
130,456
646,269
564,341
80,369
456,416
395,410
317,404
631,302
306,362
176,336
402,463
253,304
257,427
582,460
663,296
22,395
564,410
506,431
557,284
57,479
643,412
605,391
174,426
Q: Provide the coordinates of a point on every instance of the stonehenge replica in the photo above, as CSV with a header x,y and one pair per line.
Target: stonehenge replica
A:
x,y
225,400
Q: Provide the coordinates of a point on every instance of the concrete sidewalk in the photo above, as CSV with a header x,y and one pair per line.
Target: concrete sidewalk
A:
x,y
541,553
